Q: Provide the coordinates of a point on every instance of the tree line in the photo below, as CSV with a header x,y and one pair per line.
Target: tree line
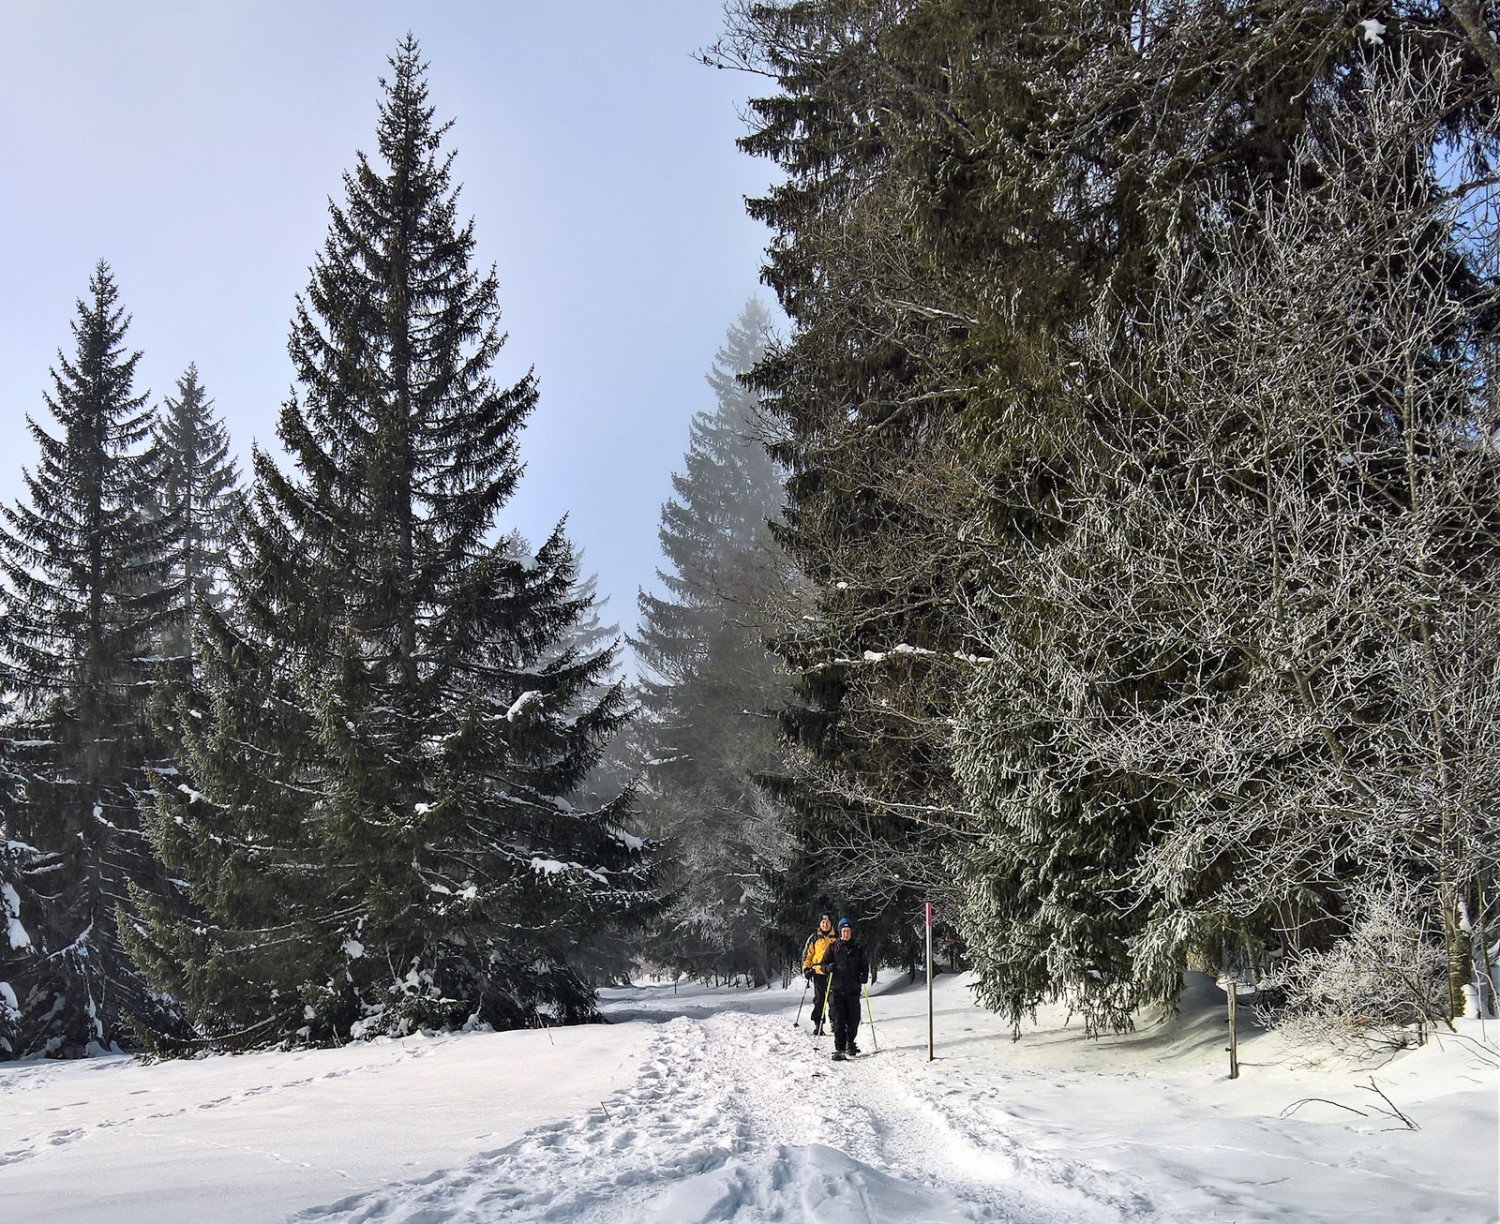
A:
x,y
1106,553
1139,420
294,762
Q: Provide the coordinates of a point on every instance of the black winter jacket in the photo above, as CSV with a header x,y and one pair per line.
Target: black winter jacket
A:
x,y
846,960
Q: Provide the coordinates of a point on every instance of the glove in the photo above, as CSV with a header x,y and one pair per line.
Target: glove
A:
x,y
808,974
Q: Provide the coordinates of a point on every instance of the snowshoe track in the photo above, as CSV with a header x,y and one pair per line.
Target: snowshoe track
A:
x,y
739,1117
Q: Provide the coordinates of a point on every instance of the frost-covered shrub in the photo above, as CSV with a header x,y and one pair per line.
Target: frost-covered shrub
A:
x,y
1378,987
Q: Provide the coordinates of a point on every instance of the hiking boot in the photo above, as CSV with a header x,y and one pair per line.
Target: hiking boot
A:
x,y
853,1049
839,1056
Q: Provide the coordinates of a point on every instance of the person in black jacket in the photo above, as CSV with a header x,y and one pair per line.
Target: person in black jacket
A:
x,y
849,968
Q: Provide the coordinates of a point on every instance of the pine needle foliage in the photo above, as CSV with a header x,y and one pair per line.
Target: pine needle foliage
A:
x,y
982,206
199,492
379,746
85,561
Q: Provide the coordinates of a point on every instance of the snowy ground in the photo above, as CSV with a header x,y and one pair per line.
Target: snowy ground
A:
x,y
704,1105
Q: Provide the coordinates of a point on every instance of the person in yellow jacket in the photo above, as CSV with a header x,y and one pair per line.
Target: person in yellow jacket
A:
x,y
813,951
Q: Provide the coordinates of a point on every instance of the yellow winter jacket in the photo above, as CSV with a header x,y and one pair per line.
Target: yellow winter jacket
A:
x,y
817,944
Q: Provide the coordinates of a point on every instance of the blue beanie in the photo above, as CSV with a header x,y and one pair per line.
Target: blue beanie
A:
x,y
844,922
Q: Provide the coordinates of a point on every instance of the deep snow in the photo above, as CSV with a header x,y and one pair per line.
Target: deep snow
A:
x,y
704,1105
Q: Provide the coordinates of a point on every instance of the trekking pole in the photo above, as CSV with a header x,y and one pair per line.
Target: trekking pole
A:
x,y
797,1023
870,1011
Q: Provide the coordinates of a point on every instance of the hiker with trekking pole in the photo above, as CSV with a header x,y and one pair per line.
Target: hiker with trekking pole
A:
x,y
848,969
813,972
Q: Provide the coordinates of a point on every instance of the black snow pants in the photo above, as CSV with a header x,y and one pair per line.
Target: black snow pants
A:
x,y
843,1006
820,996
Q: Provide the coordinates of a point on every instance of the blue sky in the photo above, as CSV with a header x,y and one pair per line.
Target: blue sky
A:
x,y
194,145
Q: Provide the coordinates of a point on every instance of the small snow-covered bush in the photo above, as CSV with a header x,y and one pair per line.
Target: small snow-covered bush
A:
x,y
1376,988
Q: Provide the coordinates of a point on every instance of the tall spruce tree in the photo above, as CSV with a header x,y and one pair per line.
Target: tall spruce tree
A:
x,y
969,189
379,749
86,567
864,394
199,492
708,685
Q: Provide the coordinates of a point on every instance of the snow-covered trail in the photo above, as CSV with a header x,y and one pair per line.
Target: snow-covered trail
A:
x,y
706,1104
737,1115
743,1117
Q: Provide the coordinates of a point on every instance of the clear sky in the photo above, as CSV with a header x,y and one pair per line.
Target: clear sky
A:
x,y
194,145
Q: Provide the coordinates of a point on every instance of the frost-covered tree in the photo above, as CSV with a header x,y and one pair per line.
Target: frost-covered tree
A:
x,y
199,492
379,751
708,685
1375,989
1370,633
967,185
1270,632
85,563
1124,119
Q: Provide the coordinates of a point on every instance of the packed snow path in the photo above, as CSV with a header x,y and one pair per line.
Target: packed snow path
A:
x,y
703,1104
737,1115
745,1117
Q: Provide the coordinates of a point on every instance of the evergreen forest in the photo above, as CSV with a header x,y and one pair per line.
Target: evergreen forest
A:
x,y
1094,534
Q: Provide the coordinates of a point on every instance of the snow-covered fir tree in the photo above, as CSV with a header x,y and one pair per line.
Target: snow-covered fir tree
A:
x,y
865,394
16,950
88,590
610,954
379,749
199,492
708,684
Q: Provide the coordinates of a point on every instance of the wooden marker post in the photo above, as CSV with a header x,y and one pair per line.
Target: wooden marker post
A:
x,y
929,981
1234,1028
